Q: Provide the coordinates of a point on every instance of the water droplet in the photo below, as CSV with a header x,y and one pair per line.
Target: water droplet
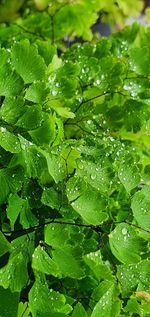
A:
x,y
124,231
93,177
98,81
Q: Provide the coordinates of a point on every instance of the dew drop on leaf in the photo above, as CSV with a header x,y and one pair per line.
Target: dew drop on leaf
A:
x,y
124,231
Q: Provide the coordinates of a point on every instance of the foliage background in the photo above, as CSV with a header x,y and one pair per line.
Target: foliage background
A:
x,y
74,162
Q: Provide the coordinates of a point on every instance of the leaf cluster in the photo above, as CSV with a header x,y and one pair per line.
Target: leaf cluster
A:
x,y
74,176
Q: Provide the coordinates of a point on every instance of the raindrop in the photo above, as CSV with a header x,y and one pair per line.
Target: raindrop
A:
x,y
89,121
54,92
124,231
98,81
93,177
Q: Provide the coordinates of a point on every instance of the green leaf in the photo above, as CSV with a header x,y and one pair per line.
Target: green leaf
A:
x,y
69,265
46,50
23,310
56,166
58,236
32,118
88,202
96,264
141,207
46,133
5,246
27,62
133,307
18,206
125,244
4,190
79,311
57,105
44,302
129,174
55,236
14,274
55,64
30,158
101,290
12,109
11,180
27,218
14,208
139,60
9,141
134,277
95,174
103,307
42,262
51,198
36,92
8,303
10,83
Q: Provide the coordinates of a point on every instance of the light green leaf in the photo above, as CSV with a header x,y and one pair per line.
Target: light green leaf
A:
x,y
46,50
16,206
103,307
101,290
141,207
56,166
23,310
46,133
96,264
27,218
12,109
139,60
133,307
9,141
94,174
129,174
66,240
10,83
69,265
58,106
8,303
44,302
30,158
134,277
54,65
125,244
36,92
88,202
5,246
57,235
79,311
27,62
11,180
14,274
32,118
64,112
51,198
42,262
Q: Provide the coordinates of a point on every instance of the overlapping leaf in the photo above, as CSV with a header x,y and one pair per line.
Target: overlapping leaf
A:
x,y
27,62
125,244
